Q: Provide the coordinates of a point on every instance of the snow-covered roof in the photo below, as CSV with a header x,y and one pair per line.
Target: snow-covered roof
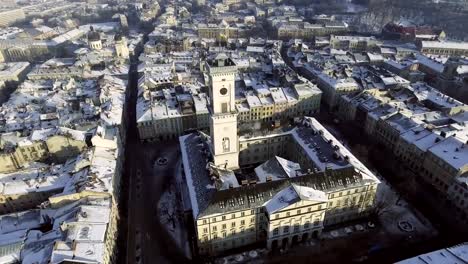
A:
x,y
445,45
453,255
277,168
14,222
9,71
430,63
452,151
425,92
402,123
39,178
338,84
325,150
294,194
352,38
208,192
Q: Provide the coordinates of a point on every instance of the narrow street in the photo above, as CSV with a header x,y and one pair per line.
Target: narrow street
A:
x,y
143,239
147,241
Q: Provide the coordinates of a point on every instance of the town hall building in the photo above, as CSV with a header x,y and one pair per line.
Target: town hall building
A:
x,y
273,188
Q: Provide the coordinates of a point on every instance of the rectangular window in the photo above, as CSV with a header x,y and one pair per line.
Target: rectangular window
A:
x,y
275,231
286,229
242,222
214,228
205,230
224,226
306,225
233,224
296,228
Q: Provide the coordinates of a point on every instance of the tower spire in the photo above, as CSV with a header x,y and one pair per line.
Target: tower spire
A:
x,y
223,122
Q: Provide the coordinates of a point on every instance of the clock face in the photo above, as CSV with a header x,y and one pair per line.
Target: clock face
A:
x,y
223,91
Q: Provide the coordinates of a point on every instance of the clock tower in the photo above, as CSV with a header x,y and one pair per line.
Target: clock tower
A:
x,y
223,122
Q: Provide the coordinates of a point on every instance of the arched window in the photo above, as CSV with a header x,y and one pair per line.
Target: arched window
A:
x,y
226,144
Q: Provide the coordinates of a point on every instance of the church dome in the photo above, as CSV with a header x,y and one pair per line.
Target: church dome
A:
x,y
94,36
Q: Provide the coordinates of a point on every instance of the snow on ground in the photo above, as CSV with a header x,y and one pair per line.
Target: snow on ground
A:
x,y
394,209
171,215
251,257
168,214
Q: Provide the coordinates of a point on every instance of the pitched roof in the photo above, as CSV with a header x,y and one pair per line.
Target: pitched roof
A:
x,y
293,194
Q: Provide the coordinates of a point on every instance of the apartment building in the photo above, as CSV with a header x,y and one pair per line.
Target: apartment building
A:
x,y
353,43
389,130
277,103
52,165
14,71
305,30
458,194
172,103
445,161
426,130
447,48
333,88
10,16
413,144
221,31
169,118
